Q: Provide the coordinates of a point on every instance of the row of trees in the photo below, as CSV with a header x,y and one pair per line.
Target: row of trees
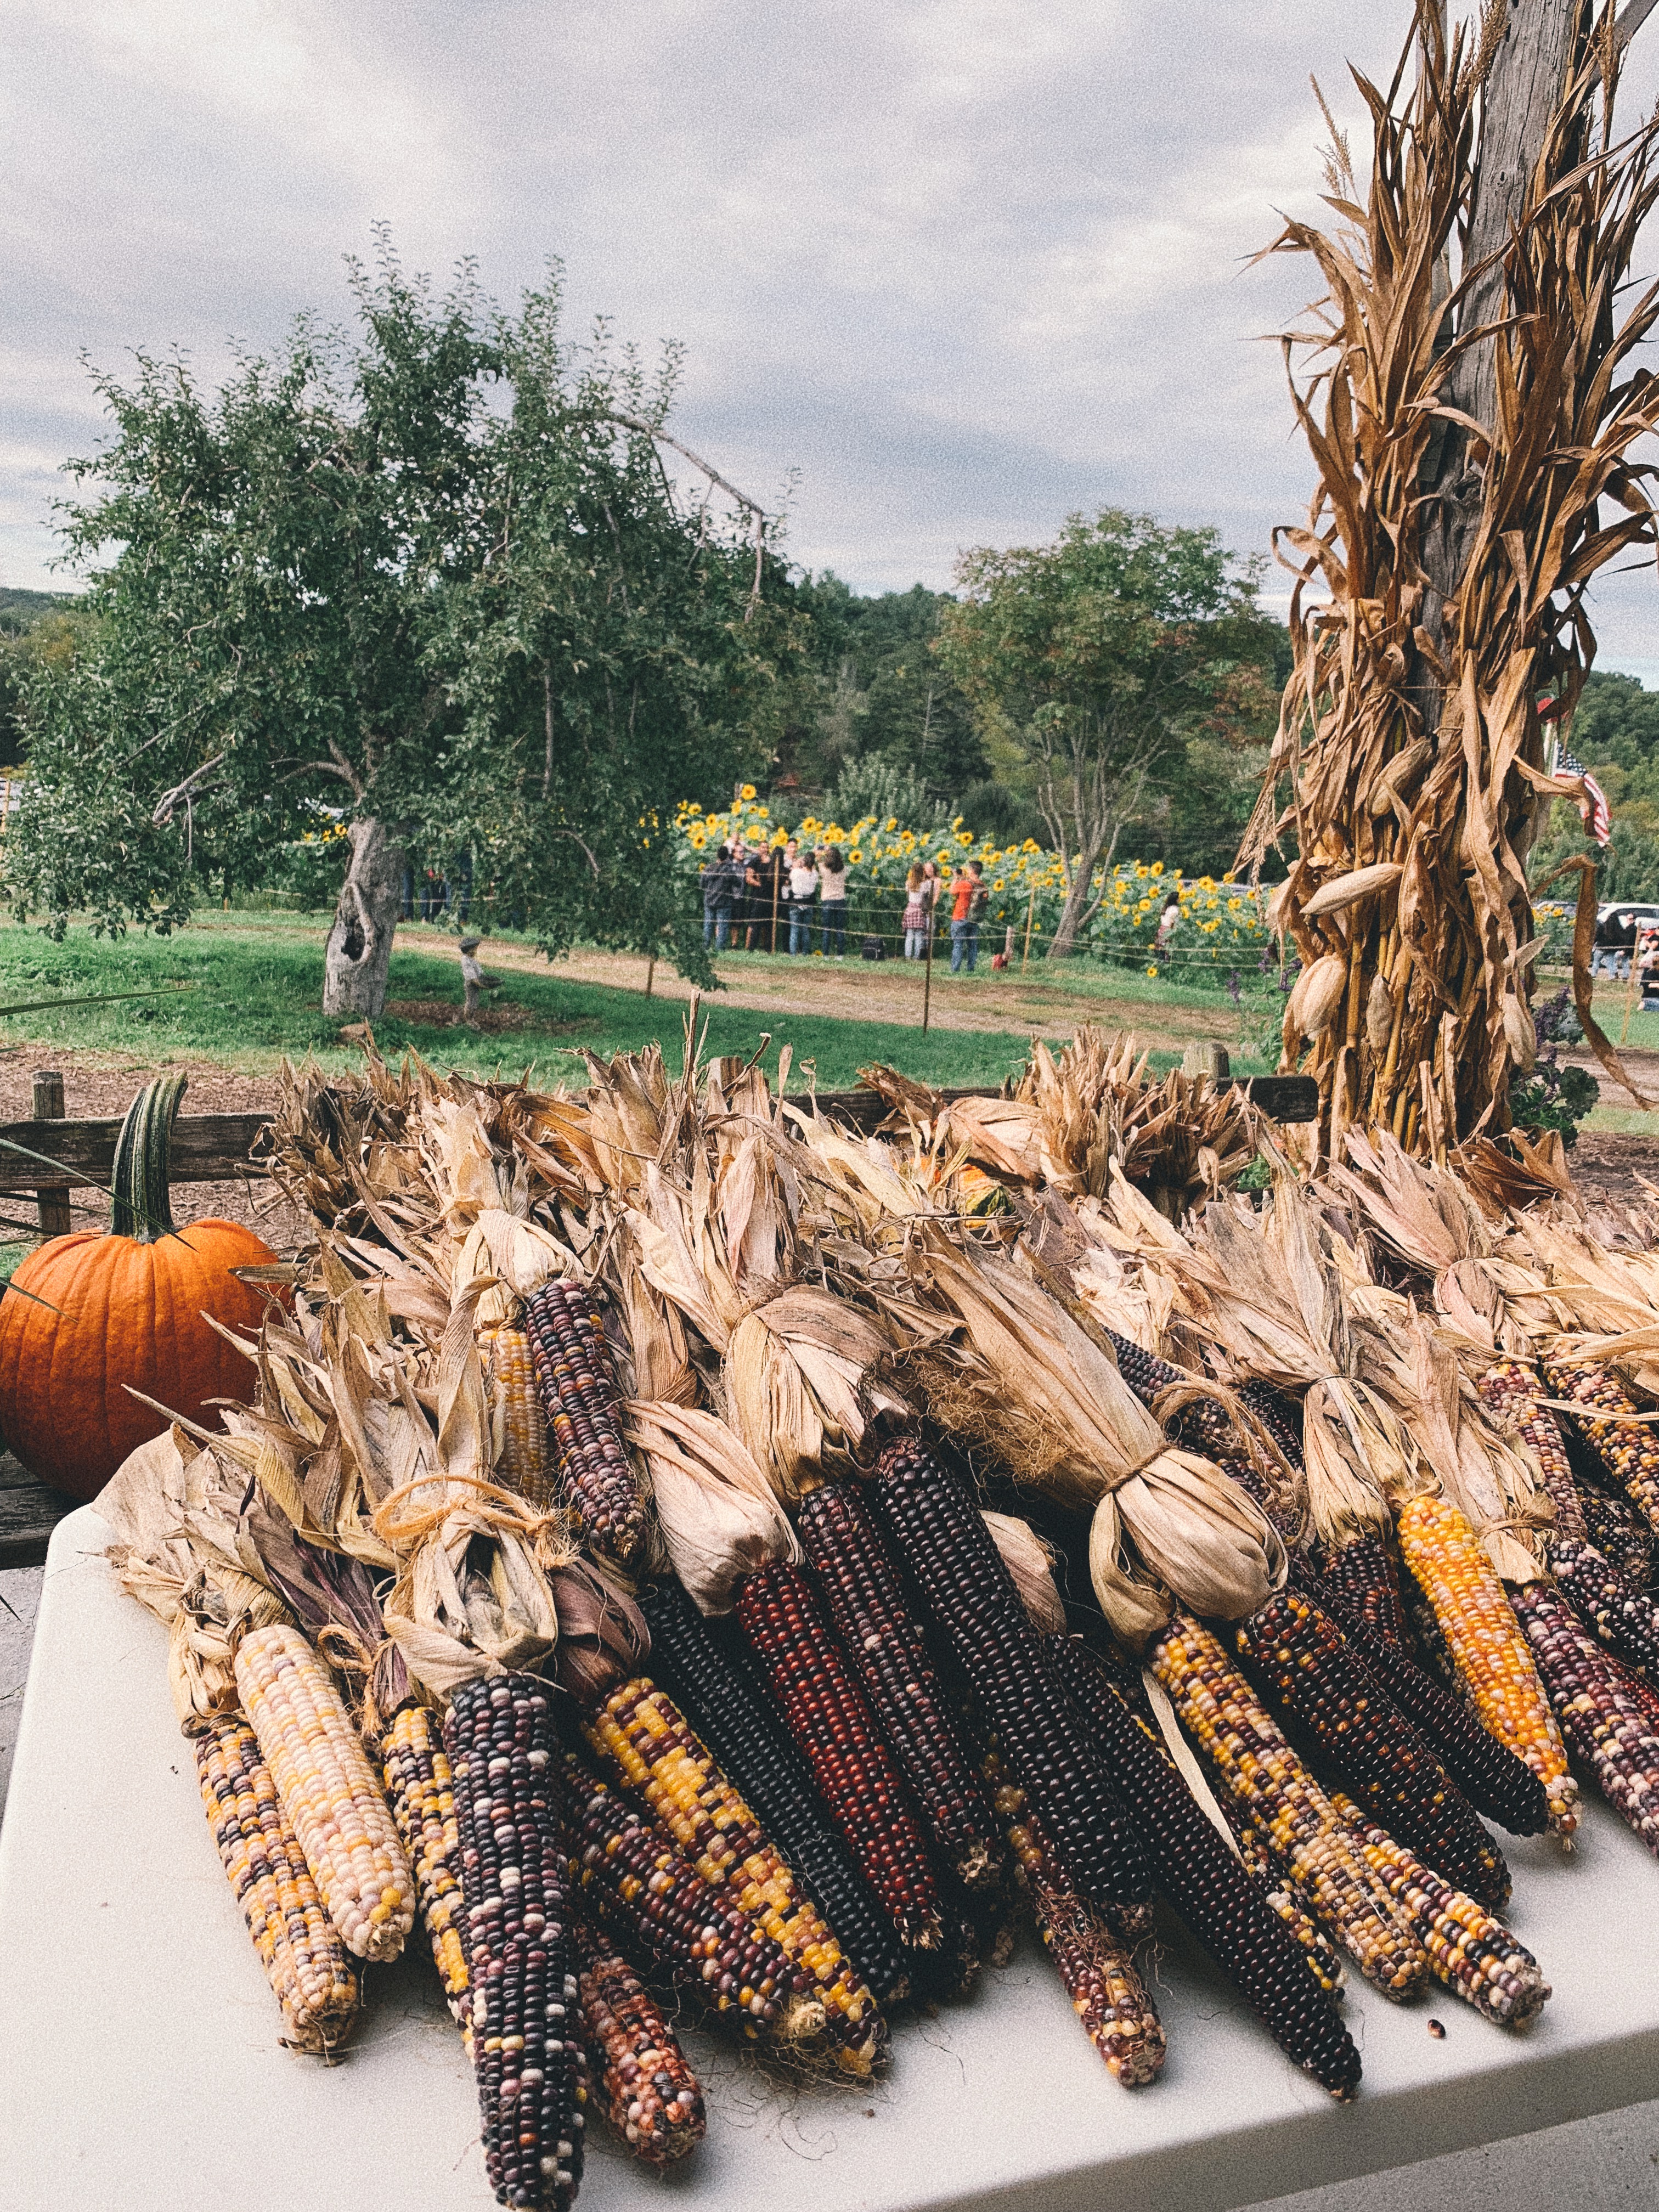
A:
x,y
449,584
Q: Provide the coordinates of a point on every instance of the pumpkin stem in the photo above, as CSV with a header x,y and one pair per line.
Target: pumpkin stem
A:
x,y
140,1187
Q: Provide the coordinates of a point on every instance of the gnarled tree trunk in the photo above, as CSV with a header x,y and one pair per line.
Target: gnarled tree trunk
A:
x,y
359,950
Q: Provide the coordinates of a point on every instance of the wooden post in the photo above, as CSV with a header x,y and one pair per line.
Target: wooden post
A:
x,y
52,1205
1207,1058
1031,916
927,975
777,878
650,970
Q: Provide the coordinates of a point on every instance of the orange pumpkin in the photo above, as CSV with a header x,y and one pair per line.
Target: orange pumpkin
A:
x,y
103,1311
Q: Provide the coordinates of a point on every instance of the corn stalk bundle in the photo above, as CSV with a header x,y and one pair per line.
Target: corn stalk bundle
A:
x,y
1022,1377
1410,729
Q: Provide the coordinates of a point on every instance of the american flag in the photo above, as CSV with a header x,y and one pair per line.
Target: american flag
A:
x,y
1593,800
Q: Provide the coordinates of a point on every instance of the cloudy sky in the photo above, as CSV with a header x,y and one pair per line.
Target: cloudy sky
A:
x,y
963,265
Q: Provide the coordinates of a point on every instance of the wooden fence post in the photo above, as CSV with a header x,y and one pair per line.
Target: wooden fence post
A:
x,y
1209,1059
52,1205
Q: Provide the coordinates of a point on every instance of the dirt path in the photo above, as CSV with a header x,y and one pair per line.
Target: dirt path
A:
x,y
871,990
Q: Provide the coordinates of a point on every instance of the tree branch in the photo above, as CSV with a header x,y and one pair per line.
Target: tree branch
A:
x,y
751,505
169,799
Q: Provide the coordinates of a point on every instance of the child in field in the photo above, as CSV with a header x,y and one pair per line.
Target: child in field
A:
x,y
917,913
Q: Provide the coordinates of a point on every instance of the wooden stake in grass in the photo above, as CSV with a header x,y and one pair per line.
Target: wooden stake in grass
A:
x,y
927,975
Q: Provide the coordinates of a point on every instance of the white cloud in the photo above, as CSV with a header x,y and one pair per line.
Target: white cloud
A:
x,y
967,265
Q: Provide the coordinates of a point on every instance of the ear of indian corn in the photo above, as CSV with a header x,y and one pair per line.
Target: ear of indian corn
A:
x,y
1496,1782
1474,1955
647,2089
1203,1425
524,1465
939,1534
303,1957
717,1684
1450,1565
884,1644
651,1900
836,1732
328,1791
1299,1655
656,1752
1515,1391
1630,1453
1621,1534
1625,1619
1093,1963
1249,1939
527,2054
421,1791
1363,1569
1231,1727
1608,1715
596,1476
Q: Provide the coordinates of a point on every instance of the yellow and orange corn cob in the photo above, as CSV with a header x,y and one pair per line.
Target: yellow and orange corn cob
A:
x,y
524,1465
656,1752
1475,1956
1450,1564
1231,1727
304,1959
328,1791
421,1793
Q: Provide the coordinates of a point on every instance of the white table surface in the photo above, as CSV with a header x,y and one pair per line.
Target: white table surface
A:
x,y
140,2066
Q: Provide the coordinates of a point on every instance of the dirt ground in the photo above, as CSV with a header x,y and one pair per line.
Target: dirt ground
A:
x,y
1610,1166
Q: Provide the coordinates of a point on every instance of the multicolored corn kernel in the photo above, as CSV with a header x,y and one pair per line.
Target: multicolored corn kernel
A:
x,y
649,1899
578,1385
1515,1391
1299,1656
524,1464
1232,1727
527,2054
328,1791
421,1790
836,1732
937,1531
1254,1940
1497,1783
1473,1954
1623,1618
655,1751
889,1653
1620,1534
1450,1563
304,1958
647,2090
1610,1717
1364,1571
1093,1961
1628,1451
717,1682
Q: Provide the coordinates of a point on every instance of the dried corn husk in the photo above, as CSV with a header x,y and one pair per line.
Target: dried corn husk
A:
x,y
604,1640
1314,997
1345,891
1051,1402
720,1519
1028,1560
800,1385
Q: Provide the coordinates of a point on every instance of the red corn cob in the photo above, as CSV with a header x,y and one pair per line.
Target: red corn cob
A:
x,y
779,1612
647,2091
1608,1716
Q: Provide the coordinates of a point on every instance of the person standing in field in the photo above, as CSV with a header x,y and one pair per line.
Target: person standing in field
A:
x,y
832,900
917,911
738,897
716,879
755,879
1168,921
966,895
803,885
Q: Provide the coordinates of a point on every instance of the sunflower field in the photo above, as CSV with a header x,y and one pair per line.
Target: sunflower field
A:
x,y
1222,934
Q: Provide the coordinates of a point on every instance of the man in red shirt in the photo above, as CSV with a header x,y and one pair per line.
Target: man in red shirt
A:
x,y
968,900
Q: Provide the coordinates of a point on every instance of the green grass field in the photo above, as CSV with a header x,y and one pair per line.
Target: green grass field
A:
x,y
253,993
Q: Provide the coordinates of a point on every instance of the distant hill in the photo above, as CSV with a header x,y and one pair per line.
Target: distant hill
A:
x,y
19,609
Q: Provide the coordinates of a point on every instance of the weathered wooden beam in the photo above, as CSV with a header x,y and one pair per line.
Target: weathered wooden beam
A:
x,y
28,1513
206,1148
